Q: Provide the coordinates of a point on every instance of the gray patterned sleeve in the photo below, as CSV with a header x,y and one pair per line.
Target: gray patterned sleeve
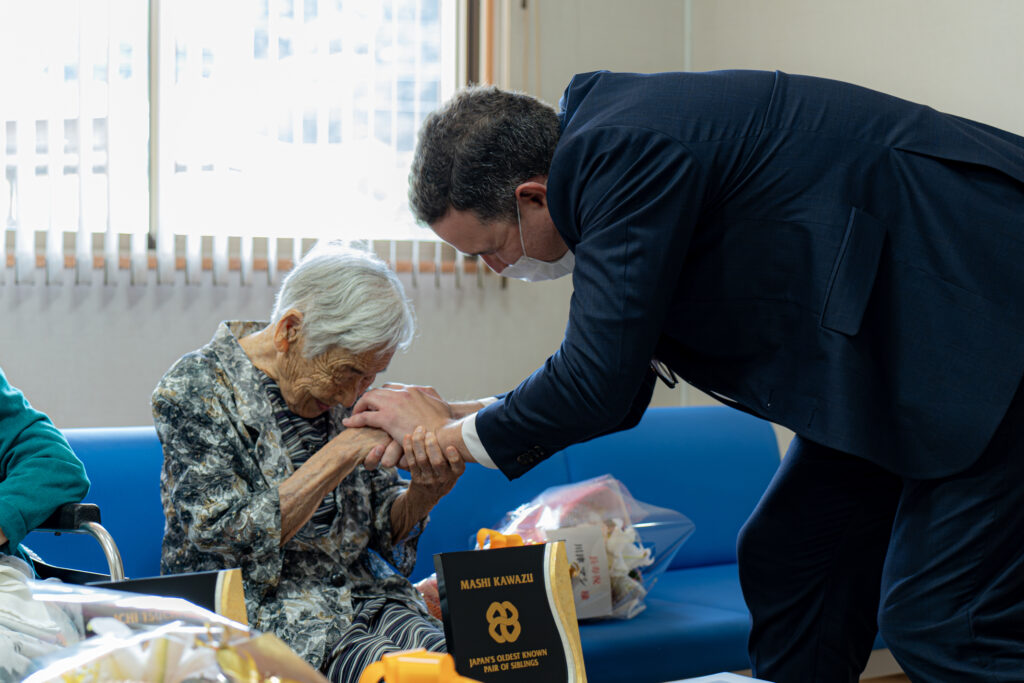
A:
x,y
211,486
385,487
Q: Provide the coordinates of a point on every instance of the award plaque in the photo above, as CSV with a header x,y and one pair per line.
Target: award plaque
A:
x,y
509,614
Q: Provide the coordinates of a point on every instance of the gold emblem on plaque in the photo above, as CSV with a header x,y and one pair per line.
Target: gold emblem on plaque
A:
x,y
503,622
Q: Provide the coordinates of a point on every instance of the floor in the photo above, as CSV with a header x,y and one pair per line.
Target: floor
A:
x,y
896,678
881,668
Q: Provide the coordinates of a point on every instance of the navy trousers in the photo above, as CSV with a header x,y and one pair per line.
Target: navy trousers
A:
x,y
839,548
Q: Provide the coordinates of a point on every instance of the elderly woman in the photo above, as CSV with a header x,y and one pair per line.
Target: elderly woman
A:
x,y
260,474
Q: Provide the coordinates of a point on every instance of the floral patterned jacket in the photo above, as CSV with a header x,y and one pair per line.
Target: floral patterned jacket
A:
x,y
223,462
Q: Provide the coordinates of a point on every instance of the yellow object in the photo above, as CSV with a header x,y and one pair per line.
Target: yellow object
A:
x,y
414,666
498,540
238,666
565,604
230,596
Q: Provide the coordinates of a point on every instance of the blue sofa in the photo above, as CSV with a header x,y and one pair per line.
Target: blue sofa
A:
x,y
710,463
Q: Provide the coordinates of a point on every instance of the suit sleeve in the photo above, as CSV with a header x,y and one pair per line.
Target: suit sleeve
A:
x,y
638,407
634,195
38,470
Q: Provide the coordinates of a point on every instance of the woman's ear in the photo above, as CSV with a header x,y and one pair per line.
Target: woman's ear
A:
x,y
286,330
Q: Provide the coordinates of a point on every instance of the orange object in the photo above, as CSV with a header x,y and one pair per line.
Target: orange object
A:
x,y
498,540
414,666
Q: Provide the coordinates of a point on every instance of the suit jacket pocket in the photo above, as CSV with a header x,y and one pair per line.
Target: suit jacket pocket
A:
x,y
853,274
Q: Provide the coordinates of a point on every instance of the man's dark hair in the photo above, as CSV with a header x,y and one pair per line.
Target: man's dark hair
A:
x,y
476,149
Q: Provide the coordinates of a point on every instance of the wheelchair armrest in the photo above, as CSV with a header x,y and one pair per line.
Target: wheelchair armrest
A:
x,y
84,518
71,517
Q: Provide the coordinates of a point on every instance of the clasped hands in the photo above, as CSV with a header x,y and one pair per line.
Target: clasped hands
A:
x,y
412,416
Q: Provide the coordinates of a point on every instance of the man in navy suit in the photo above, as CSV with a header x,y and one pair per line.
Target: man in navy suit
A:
x,y
835,260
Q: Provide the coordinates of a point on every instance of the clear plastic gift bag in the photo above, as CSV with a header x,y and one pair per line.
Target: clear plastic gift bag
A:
x,y
639,541
29,628
136,637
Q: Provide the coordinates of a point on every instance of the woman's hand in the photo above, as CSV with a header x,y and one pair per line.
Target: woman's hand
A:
x,y
300,494
431,470
433,474
355,444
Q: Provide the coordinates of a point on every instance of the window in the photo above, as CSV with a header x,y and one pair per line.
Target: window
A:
x,y
203,134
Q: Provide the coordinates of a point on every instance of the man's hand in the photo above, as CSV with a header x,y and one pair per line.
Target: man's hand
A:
x,y
397,386
398,409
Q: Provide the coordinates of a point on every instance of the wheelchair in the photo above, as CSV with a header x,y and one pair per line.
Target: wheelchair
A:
x,y
80,518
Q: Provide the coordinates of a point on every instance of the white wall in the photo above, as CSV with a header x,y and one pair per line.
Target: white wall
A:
x,y
90,356
576,36
966,58
963,57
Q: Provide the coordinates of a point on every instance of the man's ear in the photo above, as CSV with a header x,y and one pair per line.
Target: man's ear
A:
x,y
286,330
533,192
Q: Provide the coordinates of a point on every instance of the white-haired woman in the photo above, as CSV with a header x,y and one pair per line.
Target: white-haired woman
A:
x,y
260,474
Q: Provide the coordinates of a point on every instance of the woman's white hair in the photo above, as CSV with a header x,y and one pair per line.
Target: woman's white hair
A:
x,y
348,298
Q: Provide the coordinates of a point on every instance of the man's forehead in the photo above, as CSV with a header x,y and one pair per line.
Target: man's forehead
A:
x,y
466,232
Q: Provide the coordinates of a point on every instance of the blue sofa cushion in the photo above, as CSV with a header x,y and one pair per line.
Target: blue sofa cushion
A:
x,y
713,586
667,641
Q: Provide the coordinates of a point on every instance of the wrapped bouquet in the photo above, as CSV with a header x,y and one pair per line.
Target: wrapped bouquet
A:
x,y
617,545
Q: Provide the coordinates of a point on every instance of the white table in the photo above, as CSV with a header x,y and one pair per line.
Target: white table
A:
x,y
721,678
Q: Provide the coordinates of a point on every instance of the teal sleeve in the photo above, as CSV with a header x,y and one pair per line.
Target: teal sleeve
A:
x,y
38,470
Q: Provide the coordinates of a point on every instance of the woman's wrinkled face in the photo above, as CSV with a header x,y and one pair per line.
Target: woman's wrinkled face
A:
x,y
311,386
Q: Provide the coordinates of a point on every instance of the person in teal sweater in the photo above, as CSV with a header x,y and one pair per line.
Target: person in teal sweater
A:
x,y
38,470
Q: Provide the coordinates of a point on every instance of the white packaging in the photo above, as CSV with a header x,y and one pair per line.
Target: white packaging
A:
x,y
588,567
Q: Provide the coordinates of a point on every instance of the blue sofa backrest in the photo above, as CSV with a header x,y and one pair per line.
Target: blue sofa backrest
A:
x,y
480,498
711,463
123,464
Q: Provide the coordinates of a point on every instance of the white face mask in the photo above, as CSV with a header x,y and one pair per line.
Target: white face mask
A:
x,y
529,269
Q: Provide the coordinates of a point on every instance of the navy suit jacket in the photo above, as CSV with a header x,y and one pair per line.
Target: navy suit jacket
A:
x,y
838,261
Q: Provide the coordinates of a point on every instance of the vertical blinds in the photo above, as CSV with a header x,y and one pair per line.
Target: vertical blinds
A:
x,y
74,137
217,140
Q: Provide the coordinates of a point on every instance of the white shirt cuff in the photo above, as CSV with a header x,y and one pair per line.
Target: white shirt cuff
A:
x,y
472,439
